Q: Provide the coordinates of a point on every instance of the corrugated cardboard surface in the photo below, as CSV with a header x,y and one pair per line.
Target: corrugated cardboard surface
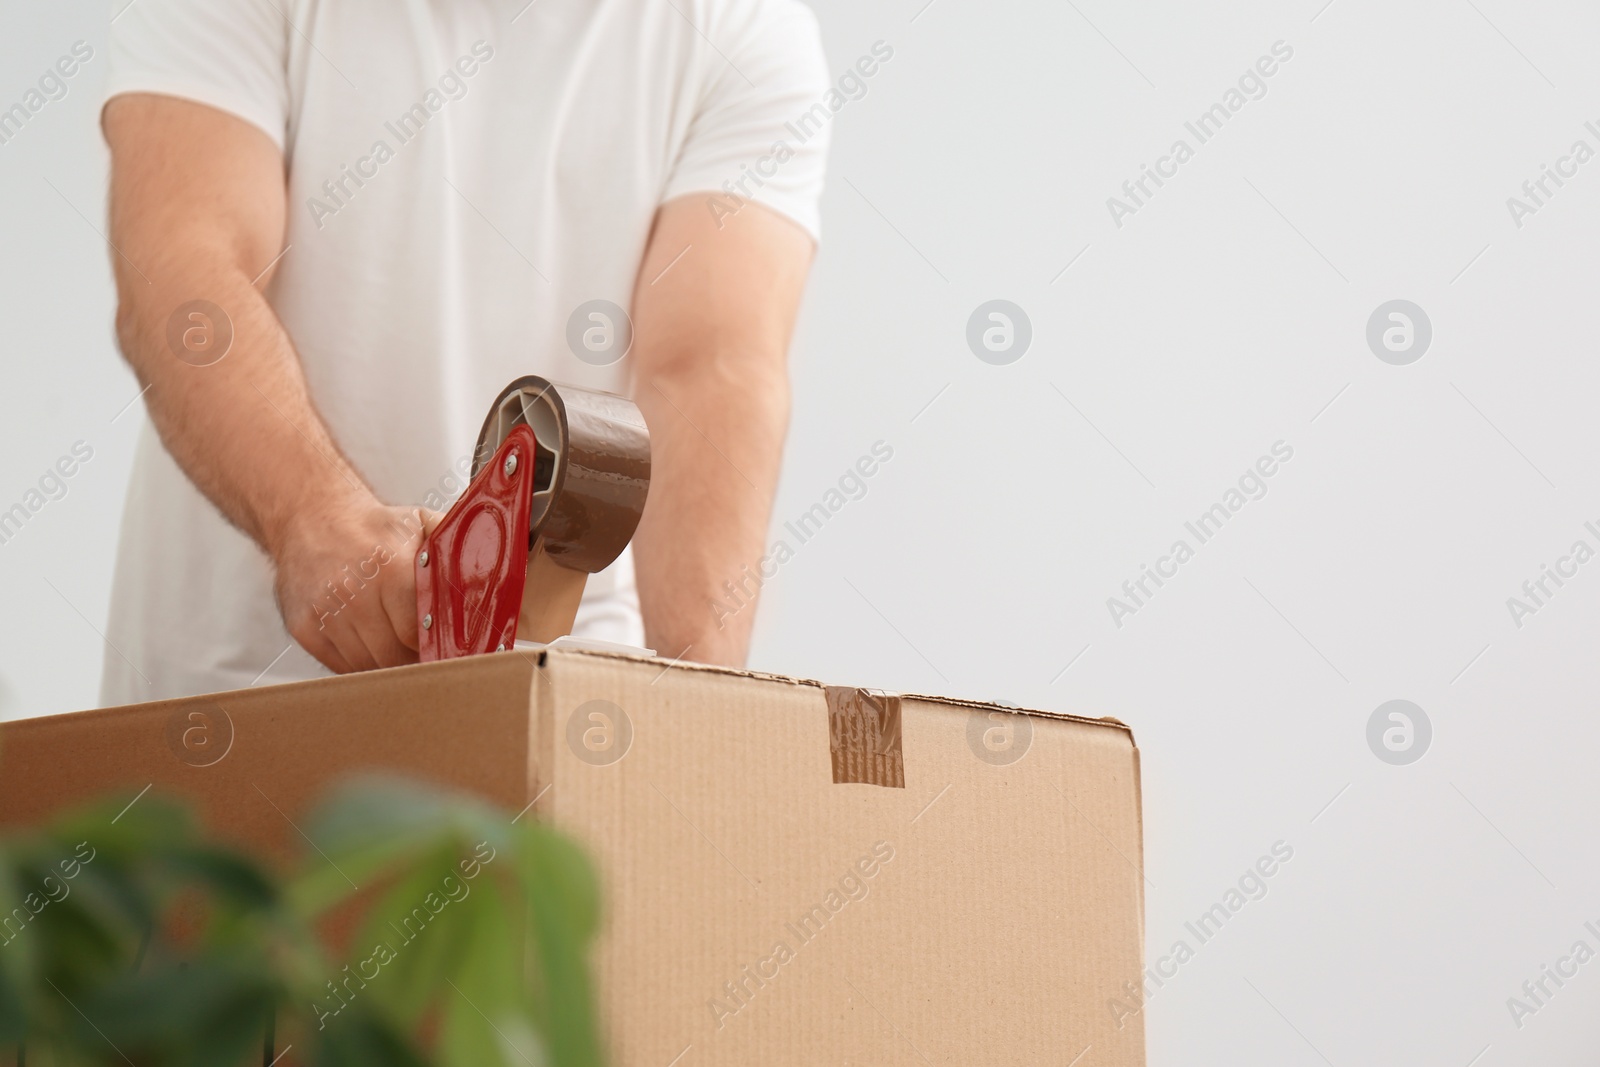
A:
x,y
463,723
984,913
1010,911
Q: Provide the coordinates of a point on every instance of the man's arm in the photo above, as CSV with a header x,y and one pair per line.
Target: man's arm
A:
x,y
197,213
711,340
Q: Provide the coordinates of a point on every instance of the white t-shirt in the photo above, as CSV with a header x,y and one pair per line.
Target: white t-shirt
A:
x,y
463,176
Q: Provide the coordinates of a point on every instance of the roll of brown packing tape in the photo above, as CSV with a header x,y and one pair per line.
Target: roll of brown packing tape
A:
x,y
592,471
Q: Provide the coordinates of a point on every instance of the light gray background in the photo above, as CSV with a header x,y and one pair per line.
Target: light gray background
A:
x,y
1226,315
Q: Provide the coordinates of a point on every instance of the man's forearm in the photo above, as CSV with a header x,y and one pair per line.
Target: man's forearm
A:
x,y
196,234
717,431
714,309
244,427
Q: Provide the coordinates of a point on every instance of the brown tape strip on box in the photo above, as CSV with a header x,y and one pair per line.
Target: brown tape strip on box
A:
x,y
864,737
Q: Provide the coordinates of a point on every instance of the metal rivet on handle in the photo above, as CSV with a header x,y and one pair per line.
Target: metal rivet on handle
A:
x,y
423,559
427,622
511,464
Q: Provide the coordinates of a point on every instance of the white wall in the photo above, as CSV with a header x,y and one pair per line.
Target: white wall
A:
x,y
1222,317
64,381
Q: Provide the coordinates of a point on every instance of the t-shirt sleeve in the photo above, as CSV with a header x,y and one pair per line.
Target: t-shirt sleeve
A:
x,y
760,130
228,54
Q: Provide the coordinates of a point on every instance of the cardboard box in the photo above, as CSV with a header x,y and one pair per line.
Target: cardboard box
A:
x,y
794,874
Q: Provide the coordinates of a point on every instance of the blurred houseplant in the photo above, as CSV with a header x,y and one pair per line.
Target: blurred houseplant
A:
x,y
131,940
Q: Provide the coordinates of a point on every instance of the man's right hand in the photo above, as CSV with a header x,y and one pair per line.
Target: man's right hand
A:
x,y
346,583
198,214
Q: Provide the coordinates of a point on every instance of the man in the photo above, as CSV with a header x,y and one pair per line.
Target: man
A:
x,y
379,212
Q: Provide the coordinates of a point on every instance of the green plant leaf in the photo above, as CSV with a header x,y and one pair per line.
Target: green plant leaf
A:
x,y
563,905
227,874
364,1041
485,927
